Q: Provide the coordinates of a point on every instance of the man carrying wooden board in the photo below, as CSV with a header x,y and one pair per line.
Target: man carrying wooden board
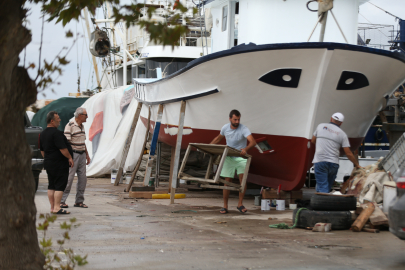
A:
x,y
236,136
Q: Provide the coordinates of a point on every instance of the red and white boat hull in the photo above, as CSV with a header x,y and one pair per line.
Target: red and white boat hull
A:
x,y
322,78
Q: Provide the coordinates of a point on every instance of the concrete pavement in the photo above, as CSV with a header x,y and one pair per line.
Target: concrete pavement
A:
x,y
119,233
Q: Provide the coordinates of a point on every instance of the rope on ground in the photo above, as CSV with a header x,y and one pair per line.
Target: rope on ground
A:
x,y
285,226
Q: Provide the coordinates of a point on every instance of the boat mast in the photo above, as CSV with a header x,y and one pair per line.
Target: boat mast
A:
x,y
94,58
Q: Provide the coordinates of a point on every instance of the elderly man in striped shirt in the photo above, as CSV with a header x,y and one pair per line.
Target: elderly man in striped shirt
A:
x,y
76,136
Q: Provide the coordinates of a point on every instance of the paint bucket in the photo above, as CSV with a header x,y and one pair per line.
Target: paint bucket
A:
x,y
265,205
280,205
114,173
257,200
293,206
273,203
128,176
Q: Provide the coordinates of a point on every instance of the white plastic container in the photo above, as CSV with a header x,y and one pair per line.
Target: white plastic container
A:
x,y
390,193
265,205
114,173
293,206
280,205
128,177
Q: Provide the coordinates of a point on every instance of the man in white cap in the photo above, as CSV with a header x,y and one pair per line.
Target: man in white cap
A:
x,y
328,138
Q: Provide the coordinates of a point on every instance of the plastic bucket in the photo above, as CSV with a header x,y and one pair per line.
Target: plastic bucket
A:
x,y
265,205
128,178
280,205
114,173
257,200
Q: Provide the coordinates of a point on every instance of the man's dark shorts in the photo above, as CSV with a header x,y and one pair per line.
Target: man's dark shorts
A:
x,y
57,179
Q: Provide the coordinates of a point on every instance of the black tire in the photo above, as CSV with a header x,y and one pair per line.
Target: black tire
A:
x,y
333,203
340,220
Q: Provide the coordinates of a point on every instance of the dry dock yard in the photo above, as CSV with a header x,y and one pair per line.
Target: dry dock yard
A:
x,y
118,232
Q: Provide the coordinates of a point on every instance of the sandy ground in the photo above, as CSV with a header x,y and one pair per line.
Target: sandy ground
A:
x,y
122,233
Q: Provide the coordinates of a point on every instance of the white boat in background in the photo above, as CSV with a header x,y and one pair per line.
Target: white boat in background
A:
x,y
259,62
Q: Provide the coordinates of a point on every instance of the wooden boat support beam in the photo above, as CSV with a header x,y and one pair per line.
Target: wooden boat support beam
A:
x,y
128,143
177,151
138,164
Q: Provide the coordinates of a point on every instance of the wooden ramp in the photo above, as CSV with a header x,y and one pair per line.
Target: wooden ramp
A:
x,y
214,150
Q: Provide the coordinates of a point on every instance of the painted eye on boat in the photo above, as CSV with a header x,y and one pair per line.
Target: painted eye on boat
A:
x,y
350,80
286,77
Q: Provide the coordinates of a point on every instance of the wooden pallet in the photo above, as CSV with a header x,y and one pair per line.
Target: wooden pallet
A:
x,y
212,150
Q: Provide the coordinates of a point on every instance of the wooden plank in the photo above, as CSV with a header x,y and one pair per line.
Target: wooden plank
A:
x,y
128,143
172,153
378,217
152,149
217,149
221,164
202,180
138,164
178,147
370,230
207,174
229,183
183,164
362,218
245,175
220,187
327,194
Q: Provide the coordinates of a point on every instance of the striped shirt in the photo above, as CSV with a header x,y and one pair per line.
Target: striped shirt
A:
x,y
75,135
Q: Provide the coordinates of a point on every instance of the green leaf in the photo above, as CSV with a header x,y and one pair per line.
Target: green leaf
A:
x,y
46,243
69,34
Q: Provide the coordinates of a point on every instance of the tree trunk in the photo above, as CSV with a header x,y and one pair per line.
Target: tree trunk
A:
x,y
19,247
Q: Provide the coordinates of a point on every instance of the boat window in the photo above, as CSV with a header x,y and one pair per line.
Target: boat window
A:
x,y
224,17
350,80
264,146
168,66
285,77
191,42
141,71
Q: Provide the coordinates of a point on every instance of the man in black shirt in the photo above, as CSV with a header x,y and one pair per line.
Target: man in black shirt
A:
x,y
57,154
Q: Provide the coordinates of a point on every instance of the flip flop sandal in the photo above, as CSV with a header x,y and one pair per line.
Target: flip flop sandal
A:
x,y
82,205
240,208
224,210
64,205
62,212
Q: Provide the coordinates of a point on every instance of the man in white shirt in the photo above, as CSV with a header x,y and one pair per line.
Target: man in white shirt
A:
x,y
236,136
328,139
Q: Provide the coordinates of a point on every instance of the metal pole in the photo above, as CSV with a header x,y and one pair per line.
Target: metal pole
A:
x,y
323,23
86,17
124,44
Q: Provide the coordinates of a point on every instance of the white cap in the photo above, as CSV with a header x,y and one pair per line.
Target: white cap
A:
x,y
338,116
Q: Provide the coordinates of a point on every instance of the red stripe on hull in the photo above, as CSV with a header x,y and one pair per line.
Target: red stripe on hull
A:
x,y
287,166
